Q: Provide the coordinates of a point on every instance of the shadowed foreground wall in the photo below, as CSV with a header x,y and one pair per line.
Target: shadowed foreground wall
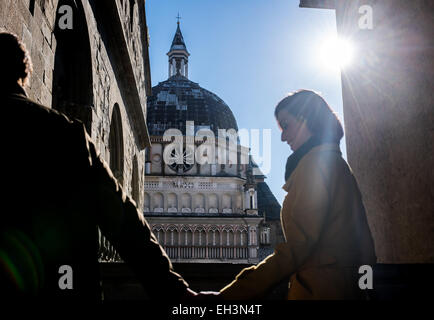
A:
x,y
388,99
389,118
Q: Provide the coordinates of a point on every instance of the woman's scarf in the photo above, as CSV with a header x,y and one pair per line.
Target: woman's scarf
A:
x,y
296,156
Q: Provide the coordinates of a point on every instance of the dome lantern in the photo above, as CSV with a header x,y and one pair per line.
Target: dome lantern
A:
x,y
178,55
177,100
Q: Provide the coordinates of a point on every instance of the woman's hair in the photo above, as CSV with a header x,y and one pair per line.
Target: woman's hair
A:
x,y
15,62
308,105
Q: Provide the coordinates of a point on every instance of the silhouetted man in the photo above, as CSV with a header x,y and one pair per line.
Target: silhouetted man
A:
x,y
55,192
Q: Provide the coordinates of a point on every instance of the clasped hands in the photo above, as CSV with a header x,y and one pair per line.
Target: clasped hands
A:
x,y
202,295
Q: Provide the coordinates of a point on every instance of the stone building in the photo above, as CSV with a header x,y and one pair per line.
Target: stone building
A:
x,y
218,211
90,61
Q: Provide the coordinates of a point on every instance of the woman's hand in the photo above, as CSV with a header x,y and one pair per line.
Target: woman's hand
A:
x,y
205,296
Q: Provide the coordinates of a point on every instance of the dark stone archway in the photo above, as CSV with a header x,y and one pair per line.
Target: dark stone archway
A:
x,y
72,76
135,181
116,145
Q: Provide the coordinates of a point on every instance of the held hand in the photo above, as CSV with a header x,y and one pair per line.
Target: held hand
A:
x,y
208,296
189,295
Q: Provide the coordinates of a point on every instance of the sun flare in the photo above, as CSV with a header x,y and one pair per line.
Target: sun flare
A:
x,y
336,53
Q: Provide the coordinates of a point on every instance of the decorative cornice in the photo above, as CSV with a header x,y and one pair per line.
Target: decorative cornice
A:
x,y
318,4
109,13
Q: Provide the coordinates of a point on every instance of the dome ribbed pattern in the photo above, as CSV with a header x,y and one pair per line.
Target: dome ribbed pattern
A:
x,y
177,100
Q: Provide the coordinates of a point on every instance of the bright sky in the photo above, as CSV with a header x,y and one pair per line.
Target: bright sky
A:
x,y
250,53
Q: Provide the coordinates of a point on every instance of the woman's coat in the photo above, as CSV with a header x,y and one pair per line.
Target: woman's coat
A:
x,y
326,231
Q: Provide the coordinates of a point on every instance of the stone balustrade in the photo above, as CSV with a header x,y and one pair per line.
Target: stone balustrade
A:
x,y
207,252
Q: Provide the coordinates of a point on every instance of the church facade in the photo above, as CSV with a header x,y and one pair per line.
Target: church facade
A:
x,y
205,198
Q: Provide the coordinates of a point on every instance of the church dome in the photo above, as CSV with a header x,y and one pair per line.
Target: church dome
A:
x,y
177,100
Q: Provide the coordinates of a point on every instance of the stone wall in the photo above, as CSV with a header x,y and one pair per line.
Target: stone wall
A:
x,y
109,65
389,115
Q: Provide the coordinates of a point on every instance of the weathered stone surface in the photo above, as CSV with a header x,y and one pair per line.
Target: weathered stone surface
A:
x,y
107,85
389,115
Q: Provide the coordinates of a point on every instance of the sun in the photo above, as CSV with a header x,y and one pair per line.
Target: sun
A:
x,y
336,53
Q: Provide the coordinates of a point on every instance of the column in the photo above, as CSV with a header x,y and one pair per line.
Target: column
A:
x,y
178,246
246,200
221,249
235,245
182,68
206,245
192,245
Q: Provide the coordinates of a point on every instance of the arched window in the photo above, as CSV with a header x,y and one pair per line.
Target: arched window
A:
x,y
242,238
116,145
135,190
132,4
158,202
265,235
146,202
32,7
238,203
213,236
227,203
186,202
72,83
199,203
213,206
172,203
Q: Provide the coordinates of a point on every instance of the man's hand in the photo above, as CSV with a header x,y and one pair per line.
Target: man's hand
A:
x,y
208,296
189,295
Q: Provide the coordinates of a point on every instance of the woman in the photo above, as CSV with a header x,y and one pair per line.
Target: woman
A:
x,y
323,218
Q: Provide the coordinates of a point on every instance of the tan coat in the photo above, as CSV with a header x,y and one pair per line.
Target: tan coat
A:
x,y
326,231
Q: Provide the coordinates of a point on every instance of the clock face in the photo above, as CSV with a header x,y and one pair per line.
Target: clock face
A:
x,y
187,159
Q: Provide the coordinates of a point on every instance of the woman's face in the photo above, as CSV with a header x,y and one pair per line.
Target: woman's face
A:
x,y
294,132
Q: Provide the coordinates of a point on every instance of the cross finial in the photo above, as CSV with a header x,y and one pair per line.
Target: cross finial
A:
x,y
178,17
